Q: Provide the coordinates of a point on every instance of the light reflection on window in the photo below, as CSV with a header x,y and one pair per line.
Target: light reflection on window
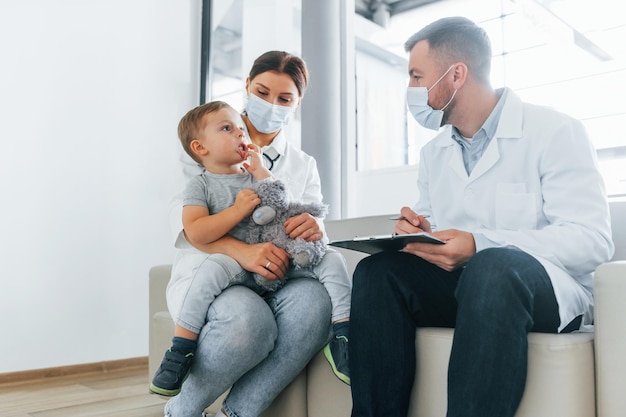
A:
x,y
567,54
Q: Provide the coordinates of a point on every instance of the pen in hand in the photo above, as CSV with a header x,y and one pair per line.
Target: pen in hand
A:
x,y
404,218
401,217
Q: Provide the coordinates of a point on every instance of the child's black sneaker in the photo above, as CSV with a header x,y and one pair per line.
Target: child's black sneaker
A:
x,y
171,374
336,353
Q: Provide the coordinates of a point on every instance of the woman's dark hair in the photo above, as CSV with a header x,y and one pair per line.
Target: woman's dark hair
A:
x,y
283,62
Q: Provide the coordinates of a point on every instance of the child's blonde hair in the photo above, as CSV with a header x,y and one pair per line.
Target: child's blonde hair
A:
x,y
191,124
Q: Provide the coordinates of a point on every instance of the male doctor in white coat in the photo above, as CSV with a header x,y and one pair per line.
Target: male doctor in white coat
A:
x,y
515,192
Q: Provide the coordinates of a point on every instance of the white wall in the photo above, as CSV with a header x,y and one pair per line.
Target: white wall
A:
x,y
90,96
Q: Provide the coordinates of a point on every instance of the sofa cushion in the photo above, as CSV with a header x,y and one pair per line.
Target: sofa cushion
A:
x,y
560,378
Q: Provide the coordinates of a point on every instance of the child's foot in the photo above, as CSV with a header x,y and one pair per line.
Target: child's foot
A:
x,y
171,374
336,353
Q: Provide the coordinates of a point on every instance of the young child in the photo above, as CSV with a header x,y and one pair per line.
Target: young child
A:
x,y
217,203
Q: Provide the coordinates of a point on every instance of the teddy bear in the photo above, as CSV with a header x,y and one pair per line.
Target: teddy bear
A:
x,y
267,221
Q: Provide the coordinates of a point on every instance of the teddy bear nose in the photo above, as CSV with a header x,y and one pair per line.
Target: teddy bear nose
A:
x,y
263,215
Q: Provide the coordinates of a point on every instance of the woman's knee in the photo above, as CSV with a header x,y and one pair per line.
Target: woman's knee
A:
x,y
303,311
303,299
243,317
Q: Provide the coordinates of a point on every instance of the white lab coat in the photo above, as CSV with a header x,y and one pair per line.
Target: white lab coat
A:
x,y
536,188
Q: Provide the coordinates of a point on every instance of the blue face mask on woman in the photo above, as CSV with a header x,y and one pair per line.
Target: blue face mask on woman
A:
x,y
267,117
417,101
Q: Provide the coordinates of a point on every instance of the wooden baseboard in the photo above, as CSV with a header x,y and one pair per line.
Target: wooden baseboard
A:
x,y
74,370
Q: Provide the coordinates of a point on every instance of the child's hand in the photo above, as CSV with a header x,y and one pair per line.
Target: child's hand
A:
x,y
255,163
245,202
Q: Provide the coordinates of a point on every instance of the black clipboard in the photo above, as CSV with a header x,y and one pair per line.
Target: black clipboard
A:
x,y
375,244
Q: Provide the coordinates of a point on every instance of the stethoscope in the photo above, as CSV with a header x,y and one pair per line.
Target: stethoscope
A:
x,y
269,161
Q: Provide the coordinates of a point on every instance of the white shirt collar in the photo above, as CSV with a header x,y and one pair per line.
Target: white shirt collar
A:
x,y
277,147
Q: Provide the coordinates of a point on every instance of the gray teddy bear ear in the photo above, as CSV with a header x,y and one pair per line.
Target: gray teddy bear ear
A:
x,y
263,215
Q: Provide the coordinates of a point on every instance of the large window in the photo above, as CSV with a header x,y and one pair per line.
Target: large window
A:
x,y
567,54
241,30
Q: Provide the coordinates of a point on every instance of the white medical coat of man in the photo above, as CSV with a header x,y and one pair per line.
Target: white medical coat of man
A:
x,y
537,188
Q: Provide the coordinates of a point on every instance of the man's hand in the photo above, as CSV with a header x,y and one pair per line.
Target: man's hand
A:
x,y
411,222
454,254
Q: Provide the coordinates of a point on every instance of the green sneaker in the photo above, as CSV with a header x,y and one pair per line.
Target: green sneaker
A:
x,y
170,376
336,353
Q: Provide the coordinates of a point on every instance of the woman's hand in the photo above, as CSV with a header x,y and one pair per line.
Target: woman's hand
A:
x,y
265,259
253,258
304,226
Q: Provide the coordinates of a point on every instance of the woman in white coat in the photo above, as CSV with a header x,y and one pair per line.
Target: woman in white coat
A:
x,y
255,345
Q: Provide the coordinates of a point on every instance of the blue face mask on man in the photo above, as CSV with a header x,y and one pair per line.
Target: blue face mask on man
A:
x,y
267,117
417,102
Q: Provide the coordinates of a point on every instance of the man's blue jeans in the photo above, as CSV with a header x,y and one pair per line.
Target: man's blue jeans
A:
x,y
492,303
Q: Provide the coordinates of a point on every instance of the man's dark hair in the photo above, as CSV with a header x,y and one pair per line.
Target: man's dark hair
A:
x,y
454,39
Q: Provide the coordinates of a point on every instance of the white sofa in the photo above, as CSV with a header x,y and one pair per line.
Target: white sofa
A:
x,y
572,375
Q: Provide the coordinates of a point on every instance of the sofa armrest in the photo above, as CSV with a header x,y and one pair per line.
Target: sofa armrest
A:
x,y
610,338
161,326
158,277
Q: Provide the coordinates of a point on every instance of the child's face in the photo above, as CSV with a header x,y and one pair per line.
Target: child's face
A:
x,y
222,138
